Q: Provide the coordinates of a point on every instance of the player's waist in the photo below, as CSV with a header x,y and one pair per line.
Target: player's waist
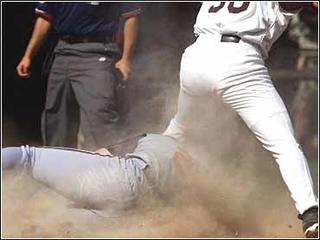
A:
x,y
246,42
221,37
230,38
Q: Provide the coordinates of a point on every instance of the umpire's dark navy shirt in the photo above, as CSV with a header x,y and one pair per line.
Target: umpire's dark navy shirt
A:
x,y
86,18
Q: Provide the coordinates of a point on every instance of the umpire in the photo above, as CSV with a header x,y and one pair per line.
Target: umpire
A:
x,y
96,41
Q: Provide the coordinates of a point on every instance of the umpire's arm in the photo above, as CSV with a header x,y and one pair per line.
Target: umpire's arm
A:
x,y
41,29
130,33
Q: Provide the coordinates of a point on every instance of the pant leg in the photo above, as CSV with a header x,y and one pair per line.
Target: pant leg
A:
x,y
94,82
12,157
244,83
60,117
85,177
265,114
276,135
188,113
240,77
194,96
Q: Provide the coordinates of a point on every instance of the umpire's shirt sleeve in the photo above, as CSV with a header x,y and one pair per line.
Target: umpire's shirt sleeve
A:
x,y
130,10
46,10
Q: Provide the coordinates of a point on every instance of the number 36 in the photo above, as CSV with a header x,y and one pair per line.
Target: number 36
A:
x,y
231,7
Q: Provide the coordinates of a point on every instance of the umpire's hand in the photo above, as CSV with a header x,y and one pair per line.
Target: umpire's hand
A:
x,y
124,66
23,67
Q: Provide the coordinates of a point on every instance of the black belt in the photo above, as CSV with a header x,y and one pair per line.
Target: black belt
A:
x,y
230,38
85,39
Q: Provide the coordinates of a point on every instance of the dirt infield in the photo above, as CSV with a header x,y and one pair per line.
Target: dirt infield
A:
x,y
235,200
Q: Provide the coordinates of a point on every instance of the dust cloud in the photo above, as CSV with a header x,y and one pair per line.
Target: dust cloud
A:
x,y
236,192
232,194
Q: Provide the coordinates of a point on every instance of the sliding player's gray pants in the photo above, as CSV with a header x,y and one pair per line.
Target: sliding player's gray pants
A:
x,y
95,180
84,177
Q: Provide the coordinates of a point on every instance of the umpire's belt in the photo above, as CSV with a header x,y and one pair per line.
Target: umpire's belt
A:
x,y
230,38
85,39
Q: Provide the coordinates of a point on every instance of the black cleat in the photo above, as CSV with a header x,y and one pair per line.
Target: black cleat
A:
x,y
310,222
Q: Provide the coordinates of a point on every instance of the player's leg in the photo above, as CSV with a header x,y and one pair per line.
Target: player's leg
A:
x,y
179,123
261,107
193,98
276,134
14,157
60,117
85,177
247,87
188,116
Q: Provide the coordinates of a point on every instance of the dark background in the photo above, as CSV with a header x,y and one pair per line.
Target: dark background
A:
x,y
23,99
165,30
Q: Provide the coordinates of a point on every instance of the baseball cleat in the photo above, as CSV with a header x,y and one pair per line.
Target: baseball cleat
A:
x,y
312,231
310,222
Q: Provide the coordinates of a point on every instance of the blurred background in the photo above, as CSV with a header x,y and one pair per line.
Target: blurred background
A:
x,y
165,30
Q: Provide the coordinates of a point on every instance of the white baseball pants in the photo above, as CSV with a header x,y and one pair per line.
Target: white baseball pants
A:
x,y
236,72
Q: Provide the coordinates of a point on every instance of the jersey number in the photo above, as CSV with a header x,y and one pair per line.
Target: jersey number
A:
x,y
231,7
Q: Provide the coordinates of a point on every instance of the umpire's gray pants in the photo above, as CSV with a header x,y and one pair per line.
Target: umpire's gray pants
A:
x,y
81,93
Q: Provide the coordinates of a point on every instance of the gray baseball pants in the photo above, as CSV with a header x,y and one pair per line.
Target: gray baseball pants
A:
x,y
91,180
81,92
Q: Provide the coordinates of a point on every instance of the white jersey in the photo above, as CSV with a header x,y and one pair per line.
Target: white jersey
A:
x,y
256,22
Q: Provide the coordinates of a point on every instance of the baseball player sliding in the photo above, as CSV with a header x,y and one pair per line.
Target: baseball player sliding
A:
x,y
227,59
98,180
